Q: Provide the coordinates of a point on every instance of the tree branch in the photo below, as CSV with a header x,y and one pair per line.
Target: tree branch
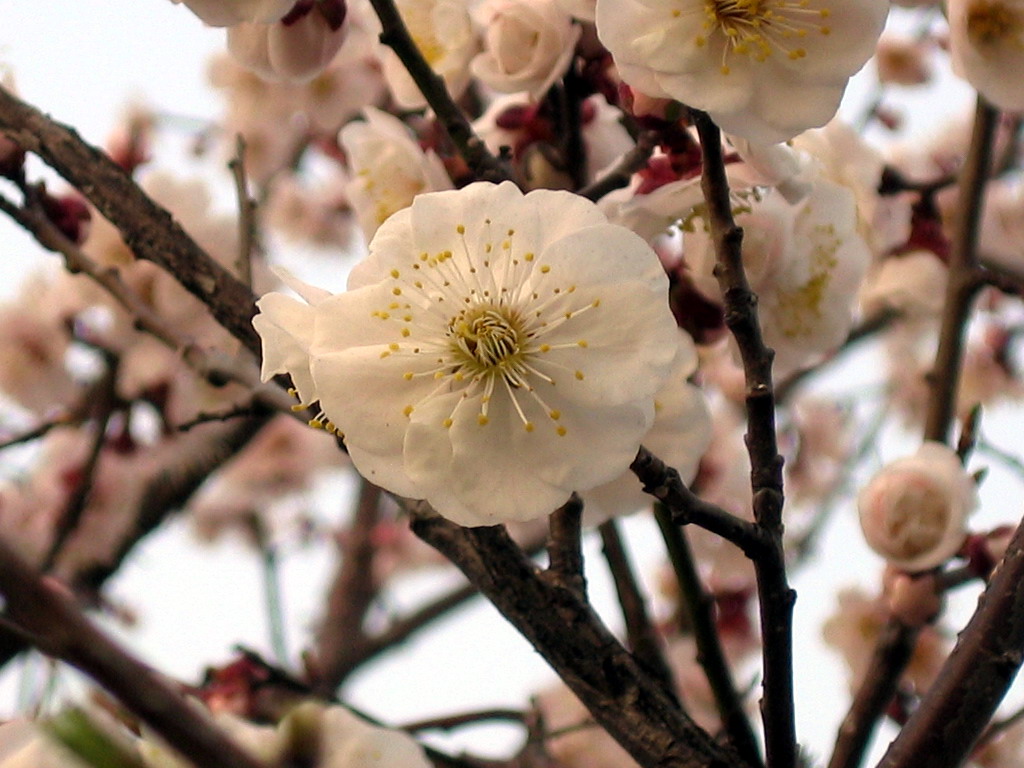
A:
x,y
775,597
630,705
700,609
63,632
471,147
641,635
149,230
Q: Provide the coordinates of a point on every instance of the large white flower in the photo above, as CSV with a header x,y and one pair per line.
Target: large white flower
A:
x,y
494,353
764,69
986,41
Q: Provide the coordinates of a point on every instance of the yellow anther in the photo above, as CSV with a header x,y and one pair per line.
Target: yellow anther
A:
x,y
447,423
407,410
394,273
555,414
482,419
561,431
528,426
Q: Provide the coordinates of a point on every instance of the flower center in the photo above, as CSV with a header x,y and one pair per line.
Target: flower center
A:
x,y
991,22
487,339
758,28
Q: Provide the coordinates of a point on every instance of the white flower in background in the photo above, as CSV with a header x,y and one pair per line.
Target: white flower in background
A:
x,y
227,13
528,44
913,284
843,157
388,168
297,51
514,122
914,511
679,437
444,34
805,262
986,44
584,10
486,355
763,69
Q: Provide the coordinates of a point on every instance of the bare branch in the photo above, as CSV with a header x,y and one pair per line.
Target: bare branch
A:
x,y
65,633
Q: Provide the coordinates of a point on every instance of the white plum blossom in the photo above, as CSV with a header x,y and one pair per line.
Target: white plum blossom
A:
x,y
388,168
680,435
914,511
297,51
913,284
805,262
763,69
444,34
986,41
227,13
528,44
486,355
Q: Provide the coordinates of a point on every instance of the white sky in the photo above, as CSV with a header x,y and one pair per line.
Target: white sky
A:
x,y
82,61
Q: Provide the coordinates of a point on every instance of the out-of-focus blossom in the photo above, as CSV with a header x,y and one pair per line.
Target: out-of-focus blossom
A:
x,y
388,168
524,127
584,10
527,45
1002,224
253,489
842,156
914,511
226,13
34,341
913,284
805,262
853,631
763,70
298,50
680,435
495,332
902,61
986,41
823,450
444,34
319,215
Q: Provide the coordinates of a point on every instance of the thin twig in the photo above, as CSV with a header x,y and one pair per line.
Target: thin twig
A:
x,y
700,609
148,229
38,431
626,701
214,366
65,633
621,174
775,597
451,722
471,147
246,214
641,635
893,651
663,482
350,596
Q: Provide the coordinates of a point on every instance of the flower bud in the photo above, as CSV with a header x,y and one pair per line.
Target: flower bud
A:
x,y
913,512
